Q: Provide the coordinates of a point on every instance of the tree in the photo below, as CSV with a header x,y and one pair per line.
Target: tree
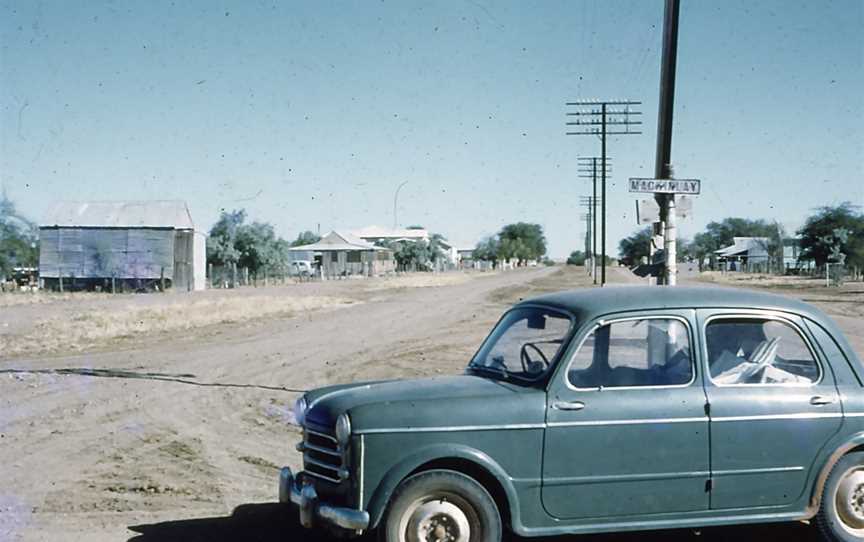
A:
x,y
487,250
305,238
577,257
522,241
632,249
833,231
19,240
254,246
221,243
260,249
436,250
409,255
419,254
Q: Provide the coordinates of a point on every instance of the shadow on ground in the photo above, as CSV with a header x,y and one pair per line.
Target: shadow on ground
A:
x,y
268,522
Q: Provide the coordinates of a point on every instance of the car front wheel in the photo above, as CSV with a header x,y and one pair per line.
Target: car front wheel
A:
x,y
441,506
841,514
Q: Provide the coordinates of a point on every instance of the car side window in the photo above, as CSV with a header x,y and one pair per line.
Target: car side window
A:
x,y
758,351
634,353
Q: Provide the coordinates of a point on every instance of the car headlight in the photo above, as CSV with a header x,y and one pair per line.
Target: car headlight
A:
x,y
300,410
343,430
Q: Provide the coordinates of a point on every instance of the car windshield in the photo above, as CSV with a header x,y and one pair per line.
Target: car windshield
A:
x,y
524,344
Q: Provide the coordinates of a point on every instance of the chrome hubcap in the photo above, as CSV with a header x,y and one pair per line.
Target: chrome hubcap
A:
x,y
850,501
436,521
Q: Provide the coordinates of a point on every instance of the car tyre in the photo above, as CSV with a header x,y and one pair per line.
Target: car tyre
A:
x,y
441,505
841,513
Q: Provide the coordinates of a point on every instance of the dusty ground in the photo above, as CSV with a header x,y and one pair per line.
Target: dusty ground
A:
x,y
177,434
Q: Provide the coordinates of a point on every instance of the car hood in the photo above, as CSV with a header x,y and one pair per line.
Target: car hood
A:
x,y
450,401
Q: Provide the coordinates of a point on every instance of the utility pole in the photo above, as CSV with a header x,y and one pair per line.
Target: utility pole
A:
x,y
588,248
590,203
663,164
596,121
588,168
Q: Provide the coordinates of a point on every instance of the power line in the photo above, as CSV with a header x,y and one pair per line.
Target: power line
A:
x,y
598,116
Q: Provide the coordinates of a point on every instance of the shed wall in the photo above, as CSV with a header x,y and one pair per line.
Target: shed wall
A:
x,y
106,252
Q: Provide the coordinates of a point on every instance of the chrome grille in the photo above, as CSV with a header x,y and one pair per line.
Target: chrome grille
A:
x,y
322,457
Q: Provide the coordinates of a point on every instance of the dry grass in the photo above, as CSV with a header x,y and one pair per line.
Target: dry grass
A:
x,y
423,280
84,330
760,280
12,299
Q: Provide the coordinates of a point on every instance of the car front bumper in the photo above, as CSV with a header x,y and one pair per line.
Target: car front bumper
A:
x,y
312,510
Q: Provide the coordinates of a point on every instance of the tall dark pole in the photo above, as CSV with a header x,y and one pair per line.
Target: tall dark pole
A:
x,y
603,199
594,209
663,165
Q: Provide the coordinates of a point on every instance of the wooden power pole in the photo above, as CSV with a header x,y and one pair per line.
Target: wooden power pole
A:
x,y
663,164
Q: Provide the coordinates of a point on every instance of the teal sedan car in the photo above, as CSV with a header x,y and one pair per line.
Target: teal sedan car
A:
x,y
601,410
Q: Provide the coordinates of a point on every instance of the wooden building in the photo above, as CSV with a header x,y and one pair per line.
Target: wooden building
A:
x,y
340,254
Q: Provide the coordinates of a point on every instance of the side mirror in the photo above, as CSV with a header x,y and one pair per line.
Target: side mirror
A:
x,y
536,321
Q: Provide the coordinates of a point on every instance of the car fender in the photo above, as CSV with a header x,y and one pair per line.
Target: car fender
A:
x,y
846,446
381,497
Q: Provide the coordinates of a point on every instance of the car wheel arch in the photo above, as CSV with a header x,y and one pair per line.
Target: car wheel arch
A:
x,y
852,444
471,462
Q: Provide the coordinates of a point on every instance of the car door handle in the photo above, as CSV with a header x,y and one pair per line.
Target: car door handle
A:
x,y
568,405
818,400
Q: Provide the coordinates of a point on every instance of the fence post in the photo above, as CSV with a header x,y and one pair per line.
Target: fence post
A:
x,y
234,274
61,283
162,279
210,274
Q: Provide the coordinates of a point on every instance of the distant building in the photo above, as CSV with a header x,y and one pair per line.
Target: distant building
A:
x,y
341,254
465,258
792,261
378,234
132,244
746,254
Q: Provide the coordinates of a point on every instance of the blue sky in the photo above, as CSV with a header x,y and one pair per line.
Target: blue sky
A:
x,y
313,113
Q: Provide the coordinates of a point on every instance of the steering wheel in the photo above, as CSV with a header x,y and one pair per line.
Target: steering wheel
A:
x,y
530,365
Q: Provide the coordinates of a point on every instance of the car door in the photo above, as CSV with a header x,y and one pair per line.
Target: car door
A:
x,y
767,423
627,433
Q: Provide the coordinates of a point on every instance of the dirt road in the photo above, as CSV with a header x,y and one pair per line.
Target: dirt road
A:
x,y
174,428
176,438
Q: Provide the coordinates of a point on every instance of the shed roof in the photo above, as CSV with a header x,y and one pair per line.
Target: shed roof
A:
x,y
743,245
119,214
336,240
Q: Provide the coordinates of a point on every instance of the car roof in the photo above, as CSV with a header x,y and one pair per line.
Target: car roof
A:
x,y
592,302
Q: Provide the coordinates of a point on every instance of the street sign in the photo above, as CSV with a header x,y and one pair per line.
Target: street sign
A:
x,y
648,210
665,186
